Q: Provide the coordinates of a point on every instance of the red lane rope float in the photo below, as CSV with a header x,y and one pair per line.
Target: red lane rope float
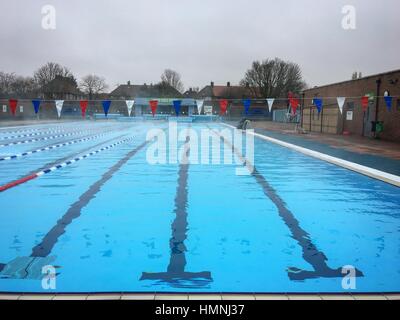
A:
x,y
15,183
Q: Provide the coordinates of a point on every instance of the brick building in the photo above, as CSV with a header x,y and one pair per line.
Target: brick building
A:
x,y
354,120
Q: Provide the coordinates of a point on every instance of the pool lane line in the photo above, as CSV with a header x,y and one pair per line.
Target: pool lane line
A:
x,y
44,248
176,269
59,166
40,133
316,258
30,130
18,155
364,170
73,133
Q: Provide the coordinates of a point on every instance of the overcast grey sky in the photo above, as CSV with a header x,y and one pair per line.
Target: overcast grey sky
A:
x,y
204,40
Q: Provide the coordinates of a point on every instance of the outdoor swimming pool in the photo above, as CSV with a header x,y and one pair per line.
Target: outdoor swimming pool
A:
x,y
112,222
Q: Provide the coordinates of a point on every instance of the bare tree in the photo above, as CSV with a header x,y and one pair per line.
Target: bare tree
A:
x,y
6,81
274,78
49,71
173,79
92,84
18,86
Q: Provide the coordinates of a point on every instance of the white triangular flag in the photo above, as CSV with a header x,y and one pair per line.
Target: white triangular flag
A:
x,y
59,106
270,103
129,104
340,101
199,105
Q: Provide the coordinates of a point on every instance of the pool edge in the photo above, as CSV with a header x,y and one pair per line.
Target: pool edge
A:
x,y
364,170
203,296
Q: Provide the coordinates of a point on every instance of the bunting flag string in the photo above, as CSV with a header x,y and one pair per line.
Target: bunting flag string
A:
x,y
199,104
318,103
83,104
340,101
106,106
153,106
247,104
129,105
59,106
13,106
223,104
270,102
388,101
36,105
177,106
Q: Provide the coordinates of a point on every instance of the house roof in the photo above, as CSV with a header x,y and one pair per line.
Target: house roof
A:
x,y
230,92
160,90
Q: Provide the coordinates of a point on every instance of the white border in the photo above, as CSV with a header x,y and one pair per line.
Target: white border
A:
x,y
367,171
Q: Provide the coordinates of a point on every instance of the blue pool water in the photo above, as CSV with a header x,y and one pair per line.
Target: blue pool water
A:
x,y
115,223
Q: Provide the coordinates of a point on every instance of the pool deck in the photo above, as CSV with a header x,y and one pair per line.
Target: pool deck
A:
x,y
199,297
377,154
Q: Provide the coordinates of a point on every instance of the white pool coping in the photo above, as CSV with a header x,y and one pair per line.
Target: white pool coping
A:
x,y
367,171
200,297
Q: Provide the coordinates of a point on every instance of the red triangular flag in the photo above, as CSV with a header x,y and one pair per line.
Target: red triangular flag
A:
x,y
294,102
13,106
153,106
223,104
83,104
364,103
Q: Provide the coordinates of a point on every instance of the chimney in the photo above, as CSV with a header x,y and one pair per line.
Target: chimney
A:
x,y
228,84
212,84
129,83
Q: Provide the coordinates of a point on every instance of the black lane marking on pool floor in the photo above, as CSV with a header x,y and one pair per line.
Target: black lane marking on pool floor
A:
x,y
176,274
316,258
44,248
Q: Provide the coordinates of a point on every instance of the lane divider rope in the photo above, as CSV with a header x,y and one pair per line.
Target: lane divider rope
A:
x,y
45,138
18,155
59,166
30,130
32,134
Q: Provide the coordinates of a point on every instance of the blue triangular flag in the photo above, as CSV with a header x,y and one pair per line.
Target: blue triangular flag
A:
x,y
36,105
106,106
247,104
177,106
388,100
318,104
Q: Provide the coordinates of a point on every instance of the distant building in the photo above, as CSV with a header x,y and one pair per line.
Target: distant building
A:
x,y
142,94
353,120
235,94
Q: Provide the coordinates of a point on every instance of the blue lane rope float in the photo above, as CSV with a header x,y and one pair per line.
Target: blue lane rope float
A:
x,y
45,138
18,155
29,130
32,134
59,166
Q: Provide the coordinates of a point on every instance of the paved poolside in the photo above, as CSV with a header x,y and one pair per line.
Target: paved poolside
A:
x,y
376,154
